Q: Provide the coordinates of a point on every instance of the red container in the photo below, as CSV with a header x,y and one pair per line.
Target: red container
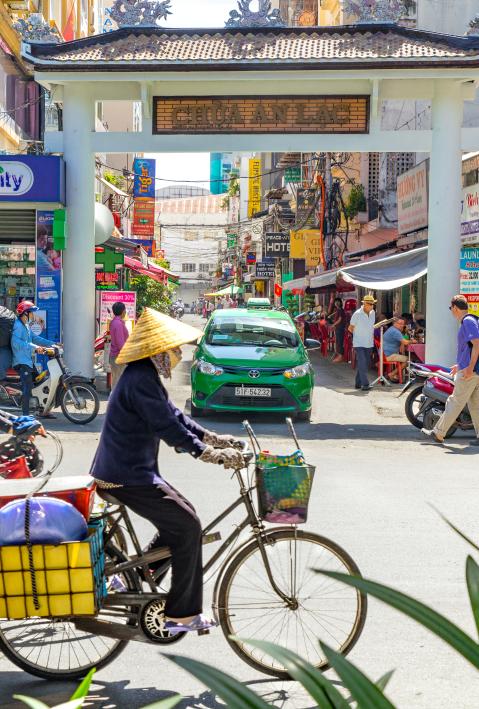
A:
x,y
15,469
78,490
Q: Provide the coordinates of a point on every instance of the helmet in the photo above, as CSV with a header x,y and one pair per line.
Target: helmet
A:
x,y
26,306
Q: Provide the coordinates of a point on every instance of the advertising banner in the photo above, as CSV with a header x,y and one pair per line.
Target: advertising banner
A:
x,y
312,247
305,207
250,258
254,186
107,298
470,215
231,241
265,269
412,199
144,180
32,178
277,244
148,245
49,277
469,268
143,218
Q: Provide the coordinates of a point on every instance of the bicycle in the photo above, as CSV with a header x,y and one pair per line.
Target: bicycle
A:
x,y
265,589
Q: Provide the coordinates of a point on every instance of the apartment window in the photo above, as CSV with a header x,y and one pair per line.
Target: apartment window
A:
x,y
373,184
204,267
188,267
397,163
190,235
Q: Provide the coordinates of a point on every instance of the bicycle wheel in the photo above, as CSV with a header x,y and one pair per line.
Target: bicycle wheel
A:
x,y
55,649
325,610
80,403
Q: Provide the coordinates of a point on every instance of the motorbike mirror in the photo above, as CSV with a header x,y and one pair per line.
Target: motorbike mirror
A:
x,y
311,344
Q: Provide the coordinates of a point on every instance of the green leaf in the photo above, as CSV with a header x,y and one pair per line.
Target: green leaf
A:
x,y
383,681
456,529
84,687
167,703
365,692
321,689
435,622
30,702
472,578
235,694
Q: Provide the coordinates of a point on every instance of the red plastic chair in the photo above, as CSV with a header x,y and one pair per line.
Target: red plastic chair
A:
x,y
388,367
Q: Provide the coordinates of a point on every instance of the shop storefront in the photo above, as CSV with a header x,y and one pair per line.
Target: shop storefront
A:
x,y
31,189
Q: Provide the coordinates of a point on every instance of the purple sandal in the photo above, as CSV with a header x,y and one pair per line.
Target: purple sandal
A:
x,y
199,624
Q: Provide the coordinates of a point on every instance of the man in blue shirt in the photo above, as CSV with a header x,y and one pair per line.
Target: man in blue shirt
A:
x,y
466,372
393,340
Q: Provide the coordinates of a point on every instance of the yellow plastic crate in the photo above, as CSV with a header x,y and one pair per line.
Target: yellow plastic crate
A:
x,y
69,578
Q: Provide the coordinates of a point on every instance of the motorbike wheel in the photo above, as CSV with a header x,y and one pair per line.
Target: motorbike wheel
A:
x,y
432,416
411,406
80,403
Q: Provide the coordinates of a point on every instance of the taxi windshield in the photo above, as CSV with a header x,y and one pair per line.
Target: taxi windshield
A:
x,y
254,332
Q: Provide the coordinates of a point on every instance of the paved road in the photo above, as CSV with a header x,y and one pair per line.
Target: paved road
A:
x,y
375,484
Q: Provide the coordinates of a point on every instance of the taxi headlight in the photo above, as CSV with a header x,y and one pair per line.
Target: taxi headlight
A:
x,y
208,368
300,371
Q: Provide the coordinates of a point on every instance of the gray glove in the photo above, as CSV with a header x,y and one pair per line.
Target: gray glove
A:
x,y
228,457
221,440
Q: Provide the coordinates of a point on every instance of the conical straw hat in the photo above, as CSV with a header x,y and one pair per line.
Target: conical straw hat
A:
x,y
154,333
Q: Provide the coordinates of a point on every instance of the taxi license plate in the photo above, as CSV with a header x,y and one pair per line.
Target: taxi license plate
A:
x,y
252,391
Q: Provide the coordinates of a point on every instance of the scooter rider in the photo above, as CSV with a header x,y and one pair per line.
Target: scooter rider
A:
x,y
24,344
139,416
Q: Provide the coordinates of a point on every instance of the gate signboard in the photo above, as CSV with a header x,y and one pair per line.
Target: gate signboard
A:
x,y
266,114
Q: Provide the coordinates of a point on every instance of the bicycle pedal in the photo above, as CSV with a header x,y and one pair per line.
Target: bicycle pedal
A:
x,y
204,632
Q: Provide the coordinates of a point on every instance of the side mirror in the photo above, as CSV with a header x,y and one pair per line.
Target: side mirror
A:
x,y
311,344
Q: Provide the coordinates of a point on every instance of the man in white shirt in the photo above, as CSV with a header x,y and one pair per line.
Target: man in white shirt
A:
x,y
362,327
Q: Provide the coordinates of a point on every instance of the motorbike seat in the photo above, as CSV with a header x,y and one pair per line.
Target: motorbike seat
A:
x,y
108,496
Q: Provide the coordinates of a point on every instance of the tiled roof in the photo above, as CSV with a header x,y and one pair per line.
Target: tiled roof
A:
x,y
319,47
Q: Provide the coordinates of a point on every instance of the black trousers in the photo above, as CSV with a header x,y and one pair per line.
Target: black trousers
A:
x,y
178,528
26,381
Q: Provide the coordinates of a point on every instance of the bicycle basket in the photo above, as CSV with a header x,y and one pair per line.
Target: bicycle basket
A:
x,y
284,486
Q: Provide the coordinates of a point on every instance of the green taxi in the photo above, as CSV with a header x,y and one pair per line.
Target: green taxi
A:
x,y
252,359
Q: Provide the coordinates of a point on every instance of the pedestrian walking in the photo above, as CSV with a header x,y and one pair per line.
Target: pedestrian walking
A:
x,y
118,336
362,328
466,373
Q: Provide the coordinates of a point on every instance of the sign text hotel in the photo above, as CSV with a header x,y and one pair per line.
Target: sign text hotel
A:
x,y
270,114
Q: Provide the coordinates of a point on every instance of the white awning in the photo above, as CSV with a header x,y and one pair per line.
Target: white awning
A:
x,y
389,272
325,279
298,283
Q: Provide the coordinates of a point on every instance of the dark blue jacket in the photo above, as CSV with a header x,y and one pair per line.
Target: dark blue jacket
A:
x,y
138,417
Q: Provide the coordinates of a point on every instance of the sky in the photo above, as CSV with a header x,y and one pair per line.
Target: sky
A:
x,y
191,13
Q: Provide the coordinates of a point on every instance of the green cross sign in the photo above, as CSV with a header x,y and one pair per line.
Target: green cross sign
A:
x,y
109,259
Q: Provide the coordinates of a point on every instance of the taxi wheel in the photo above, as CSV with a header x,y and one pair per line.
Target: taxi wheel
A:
x,y
198,413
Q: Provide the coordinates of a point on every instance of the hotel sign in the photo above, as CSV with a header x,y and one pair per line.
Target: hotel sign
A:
x,y
270,114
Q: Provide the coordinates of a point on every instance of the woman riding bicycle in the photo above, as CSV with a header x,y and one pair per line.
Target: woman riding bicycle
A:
x,y
139,416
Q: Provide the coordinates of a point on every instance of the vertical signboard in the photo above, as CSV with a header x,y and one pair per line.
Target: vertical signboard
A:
x,y
49,277
470,276
144,184
412,199
254,186
470,215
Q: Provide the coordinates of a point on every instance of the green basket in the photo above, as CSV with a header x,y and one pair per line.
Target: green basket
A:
x,y
284,487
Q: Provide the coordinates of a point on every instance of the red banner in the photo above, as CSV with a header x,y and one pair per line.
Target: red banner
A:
x,y
144,217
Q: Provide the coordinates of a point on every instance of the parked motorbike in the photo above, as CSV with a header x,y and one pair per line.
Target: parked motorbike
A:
x,y
414,405
19,454
55,386
427,401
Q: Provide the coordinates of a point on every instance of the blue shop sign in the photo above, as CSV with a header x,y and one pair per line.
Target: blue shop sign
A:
x,y
144,180
32,178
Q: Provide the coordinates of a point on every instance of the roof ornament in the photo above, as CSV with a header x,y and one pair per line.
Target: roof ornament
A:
x,y
474,26
35,29
264,17
376,10
139,13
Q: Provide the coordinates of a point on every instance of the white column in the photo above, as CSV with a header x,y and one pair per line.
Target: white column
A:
x,y
79,256
444,221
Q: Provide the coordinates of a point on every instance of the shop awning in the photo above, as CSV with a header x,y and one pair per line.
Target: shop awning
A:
x,y
111,187
296,284
389,272
228,290
379,274
158,274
